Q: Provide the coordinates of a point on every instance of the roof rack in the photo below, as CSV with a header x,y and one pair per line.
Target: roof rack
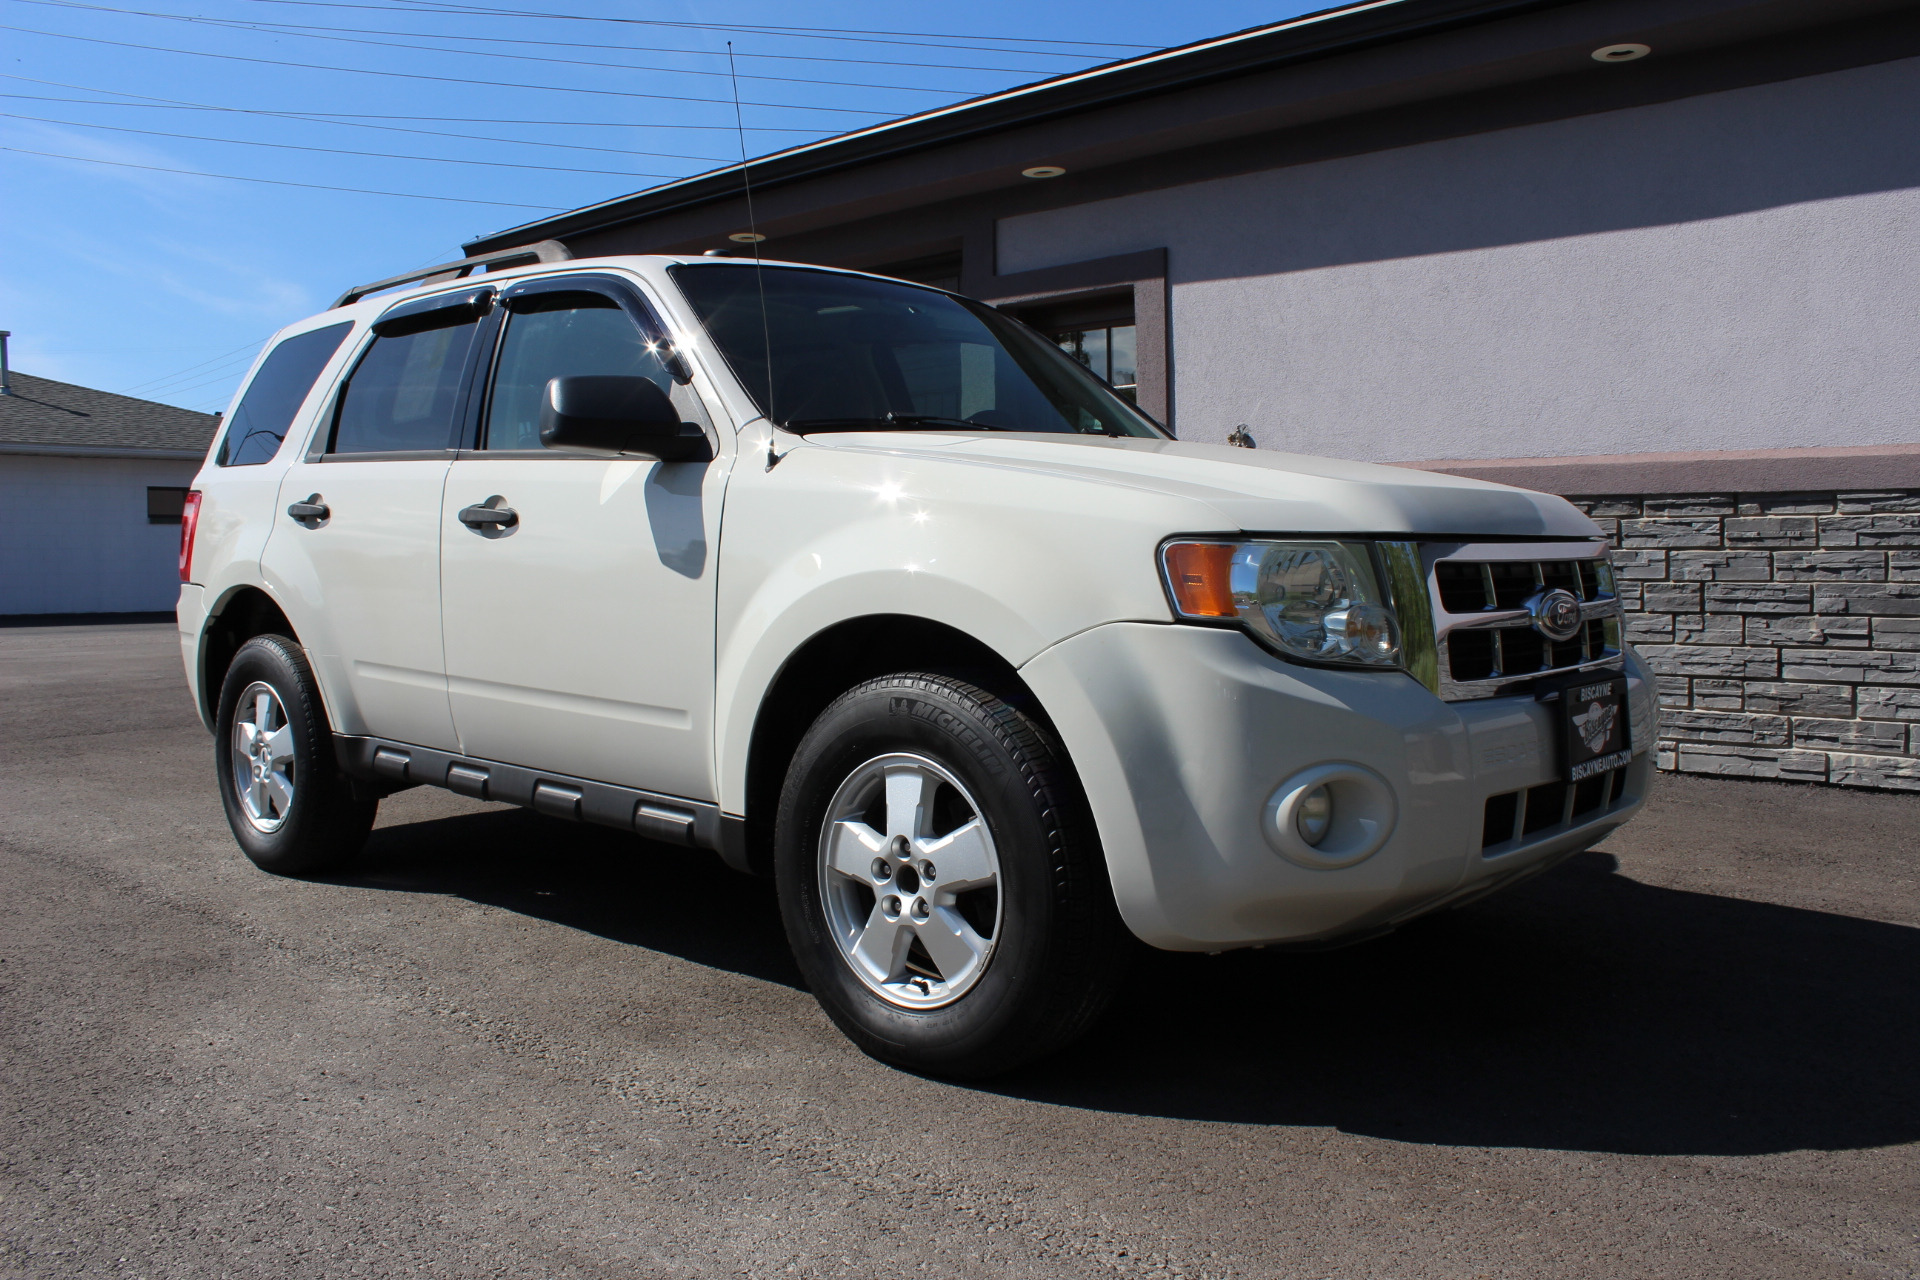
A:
x,y
542,251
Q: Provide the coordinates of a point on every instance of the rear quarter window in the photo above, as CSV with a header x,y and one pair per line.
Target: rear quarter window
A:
x,y
265,413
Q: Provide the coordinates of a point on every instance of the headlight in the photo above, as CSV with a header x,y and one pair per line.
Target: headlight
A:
x,y
1320,601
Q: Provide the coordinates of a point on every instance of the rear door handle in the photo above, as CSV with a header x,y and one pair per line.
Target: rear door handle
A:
x,y
311,509
483,516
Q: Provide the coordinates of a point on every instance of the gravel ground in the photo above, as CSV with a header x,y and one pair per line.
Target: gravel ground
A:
x,y
509,1046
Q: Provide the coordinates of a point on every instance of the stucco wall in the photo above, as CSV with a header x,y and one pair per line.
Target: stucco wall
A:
x,y
1730,271
74,536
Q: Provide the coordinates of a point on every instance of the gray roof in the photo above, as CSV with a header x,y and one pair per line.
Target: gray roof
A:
x,y
44,416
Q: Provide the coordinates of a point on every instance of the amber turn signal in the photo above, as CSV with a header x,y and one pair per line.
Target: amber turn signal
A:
x,y
1200,575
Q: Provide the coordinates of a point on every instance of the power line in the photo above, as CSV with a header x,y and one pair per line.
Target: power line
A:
x,y
698,53
382,115
795,33
306,32
337,151
192,368
277,182
414,75
165,105
227,373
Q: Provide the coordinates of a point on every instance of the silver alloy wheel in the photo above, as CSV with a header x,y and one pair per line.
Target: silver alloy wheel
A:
x,y
905,858
263,757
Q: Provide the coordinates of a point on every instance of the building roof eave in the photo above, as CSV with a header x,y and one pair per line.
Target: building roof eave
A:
x,y
1240,53
100,451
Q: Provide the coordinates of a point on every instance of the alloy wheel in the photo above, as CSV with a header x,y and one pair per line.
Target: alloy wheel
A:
x,y
263,757
909,881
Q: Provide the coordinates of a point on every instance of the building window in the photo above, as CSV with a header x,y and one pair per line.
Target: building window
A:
x,y
165,506
1108,351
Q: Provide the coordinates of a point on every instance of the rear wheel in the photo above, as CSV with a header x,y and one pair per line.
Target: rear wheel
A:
x,y
286,801
940,880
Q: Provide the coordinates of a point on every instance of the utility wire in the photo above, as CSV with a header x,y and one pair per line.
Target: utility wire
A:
x,y
351,124
626,48
337,151
225,375
796,33
382,115
228,369
276,182
413,75
305,32
190,369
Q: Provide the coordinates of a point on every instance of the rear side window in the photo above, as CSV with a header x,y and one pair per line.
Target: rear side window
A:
x,y
405,391
275,394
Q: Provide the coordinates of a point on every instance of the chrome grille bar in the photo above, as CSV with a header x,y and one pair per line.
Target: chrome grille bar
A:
x,y
1485,651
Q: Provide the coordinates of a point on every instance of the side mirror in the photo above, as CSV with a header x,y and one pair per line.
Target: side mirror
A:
x,y
612,416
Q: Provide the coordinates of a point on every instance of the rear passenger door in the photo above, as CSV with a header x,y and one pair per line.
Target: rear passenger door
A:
x,y
356,547
579,639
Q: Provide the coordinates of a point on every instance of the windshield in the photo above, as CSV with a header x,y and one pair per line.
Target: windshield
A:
x,y
852,353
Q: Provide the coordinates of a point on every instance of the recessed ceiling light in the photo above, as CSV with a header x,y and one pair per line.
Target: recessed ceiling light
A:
x,y
746,237
1043,171
1621,52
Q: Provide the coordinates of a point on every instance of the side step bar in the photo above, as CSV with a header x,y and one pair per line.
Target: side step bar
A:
x,y
695,824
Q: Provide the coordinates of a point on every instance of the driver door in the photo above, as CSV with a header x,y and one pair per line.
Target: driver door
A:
x,y
579,638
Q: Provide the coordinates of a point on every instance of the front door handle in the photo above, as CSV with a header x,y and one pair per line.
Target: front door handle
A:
x,y
483,515
314,508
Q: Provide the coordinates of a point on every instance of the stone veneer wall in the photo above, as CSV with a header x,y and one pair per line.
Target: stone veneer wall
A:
x,y
1784,629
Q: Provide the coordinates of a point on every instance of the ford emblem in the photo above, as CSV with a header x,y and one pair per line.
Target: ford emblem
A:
x,y
1556,615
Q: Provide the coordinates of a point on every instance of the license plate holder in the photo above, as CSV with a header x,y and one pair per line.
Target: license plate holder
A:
x,y
1596,732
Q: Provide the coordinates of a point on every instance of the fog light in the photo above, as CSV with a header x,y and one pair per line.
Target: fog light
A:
x,y
1330,816
1314,815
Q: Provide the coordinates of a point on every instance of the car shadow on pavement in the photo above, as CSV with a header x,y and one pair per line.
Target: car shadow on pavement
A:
x,y
1582,1010
681,902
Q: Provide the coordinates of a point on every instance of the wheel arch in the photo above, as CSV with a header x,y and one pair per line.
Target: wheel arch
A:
x,y
830,662
240,615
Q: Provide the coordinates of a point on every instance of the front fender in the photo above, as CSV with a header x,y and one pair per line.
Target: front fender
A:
x,y
1015,559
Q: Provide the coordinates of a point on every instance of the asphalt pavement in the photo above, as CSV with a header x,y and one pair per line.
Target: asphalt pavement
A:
x,y
508,1046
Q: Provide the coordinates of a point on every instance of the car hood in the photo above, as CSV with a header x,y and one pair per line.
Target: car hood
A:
x,y
1255,490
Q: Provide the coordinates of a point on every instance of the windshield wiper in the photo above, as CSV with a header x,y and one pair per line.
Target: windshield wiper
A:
x,y
888,422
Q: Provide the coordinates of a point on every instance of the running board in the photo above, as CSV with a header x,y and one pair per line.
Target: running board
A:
x,y
670,819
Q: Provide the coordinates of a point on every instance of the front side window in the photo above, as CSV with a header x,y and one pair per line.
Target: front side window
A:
x,y
560,335
276,393
851,353
404,393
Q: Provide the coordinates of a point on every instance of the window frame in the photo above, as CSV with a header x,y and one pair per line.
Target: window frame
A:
x,y
228,445
321,447
620,291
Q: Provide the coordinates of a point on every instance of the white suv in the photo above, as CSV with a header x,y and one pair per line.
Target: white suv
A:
x,y
917,616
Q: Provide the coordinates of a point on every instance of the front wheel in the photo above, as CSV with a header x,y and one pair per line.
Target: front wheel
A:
x,y
940,880
288,805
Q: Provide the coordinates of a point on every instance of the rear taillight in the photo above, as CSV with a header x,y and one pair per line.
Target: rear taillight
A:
x,y
189,525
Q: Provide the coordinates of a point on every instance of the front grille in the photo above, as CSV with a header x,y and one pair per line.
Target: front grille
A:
x,y
1520,815
1486,635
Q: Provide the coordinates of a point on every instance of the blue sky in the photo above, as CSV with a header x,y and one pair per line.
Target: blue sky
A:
x,y
126,276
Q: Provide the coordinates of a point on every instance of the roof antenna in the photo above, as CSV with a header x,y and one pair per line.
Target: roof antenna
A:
x,y
759,272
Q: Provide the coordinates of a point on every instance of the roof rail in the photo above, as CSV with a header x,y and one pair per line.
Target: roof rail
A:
x,y
542,251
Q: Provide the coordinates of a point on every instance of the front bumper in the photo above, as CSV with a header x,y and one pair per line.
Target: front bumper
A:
x,y
1182,734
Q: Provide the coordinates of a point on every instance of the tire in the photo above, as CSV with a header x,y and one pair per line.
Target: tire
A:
x,y
912,769
290,808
